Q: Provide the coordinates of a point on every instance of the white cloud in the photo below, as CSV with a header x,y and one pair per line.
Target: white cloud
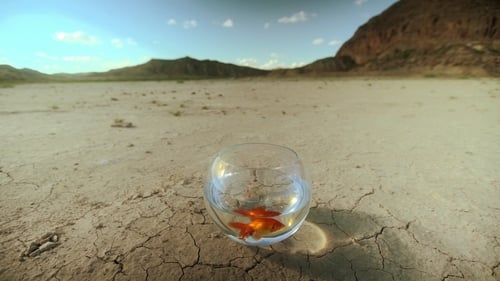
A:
x,y
297,64
190,24
270,64
273,62
51,68
119,43
171,22
131,41
297,17
228,23
247,62
44,55
334,42
360,2
4,60
76,37
267,25
318,41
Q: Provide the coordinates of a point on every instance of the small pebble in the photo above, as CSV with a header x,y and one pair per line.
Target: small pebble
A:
x,y
54,238
48,246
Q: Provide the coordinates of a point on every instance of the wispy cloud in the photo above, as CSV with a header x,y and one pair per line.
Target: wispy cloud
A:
x,y
131,41
297,17
267,25
360,2
334,42
44,55
77,37
51,68
119,43
247,62
272,63
187,24
228,23
190,24
297,64
318,41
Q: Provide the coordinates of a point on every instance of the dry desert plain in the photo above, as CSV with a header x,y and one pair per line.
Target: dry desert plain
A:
x,y
104,181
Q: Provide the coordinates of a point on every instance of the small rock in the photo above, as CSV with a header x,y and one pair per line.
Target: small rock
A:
x,y
33,247
214,235
48,246
54,238
35,253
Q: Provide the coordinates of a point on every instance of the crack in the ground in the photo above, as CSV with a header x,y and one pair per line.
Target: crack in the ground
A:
x,y
380,252
358,201
494,268
375,235
37,205
450,257
61,268
461,276
355,274
258,261
9,176
35,186
197,247
119,261
392,215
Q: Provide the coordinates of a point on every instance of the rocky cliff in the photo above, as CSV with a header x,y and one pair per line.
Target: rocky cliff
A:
x,y
441,35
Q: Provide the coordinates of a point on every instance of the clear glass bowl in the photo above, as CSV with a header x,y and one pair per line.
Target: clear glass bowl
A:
x,y
256,193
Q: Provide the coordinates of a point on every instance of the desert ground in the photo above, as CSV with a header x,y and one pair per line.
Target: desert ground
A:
x,y
104,181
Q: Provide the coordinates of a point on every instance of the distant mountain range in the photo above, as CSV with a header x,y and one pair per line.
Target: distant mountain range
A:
x,y
412,37
155,69
11,74
182,68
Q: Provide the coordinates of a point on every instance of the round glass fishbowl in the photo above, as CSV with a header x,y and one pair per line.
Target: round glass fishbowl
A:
x,y
256,193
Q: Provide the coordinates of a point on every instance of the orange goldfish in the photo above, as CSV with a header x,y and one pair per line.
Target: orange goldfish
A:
x,y
257,212
260,223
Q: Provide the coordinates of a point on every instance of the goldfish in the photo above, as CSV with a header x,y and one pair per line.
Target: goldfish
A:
x,y
261,223
257,212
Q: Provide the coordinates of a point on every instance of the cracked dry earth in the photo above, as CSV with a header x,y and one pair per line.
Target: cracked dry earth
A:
x,y
405,178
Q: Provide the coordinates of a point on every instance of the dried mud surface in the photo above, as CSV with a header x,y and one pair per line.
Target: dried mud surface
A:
x,y
104,181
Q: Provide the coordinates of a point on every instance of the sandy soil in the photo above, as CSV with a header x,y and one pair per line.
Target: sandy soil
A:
x,y
107,178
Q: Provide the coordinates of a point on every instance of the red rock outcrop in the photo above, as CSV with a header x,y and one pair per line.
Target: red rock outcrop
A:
x,y
443,35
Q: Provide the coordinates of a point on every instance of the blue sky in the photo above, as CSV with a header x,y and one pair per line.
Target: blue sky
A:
x,y
89,35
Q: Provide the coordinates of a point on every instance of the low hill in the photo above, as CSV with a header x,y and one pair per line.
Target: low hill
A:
x,y
183,68
9,74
